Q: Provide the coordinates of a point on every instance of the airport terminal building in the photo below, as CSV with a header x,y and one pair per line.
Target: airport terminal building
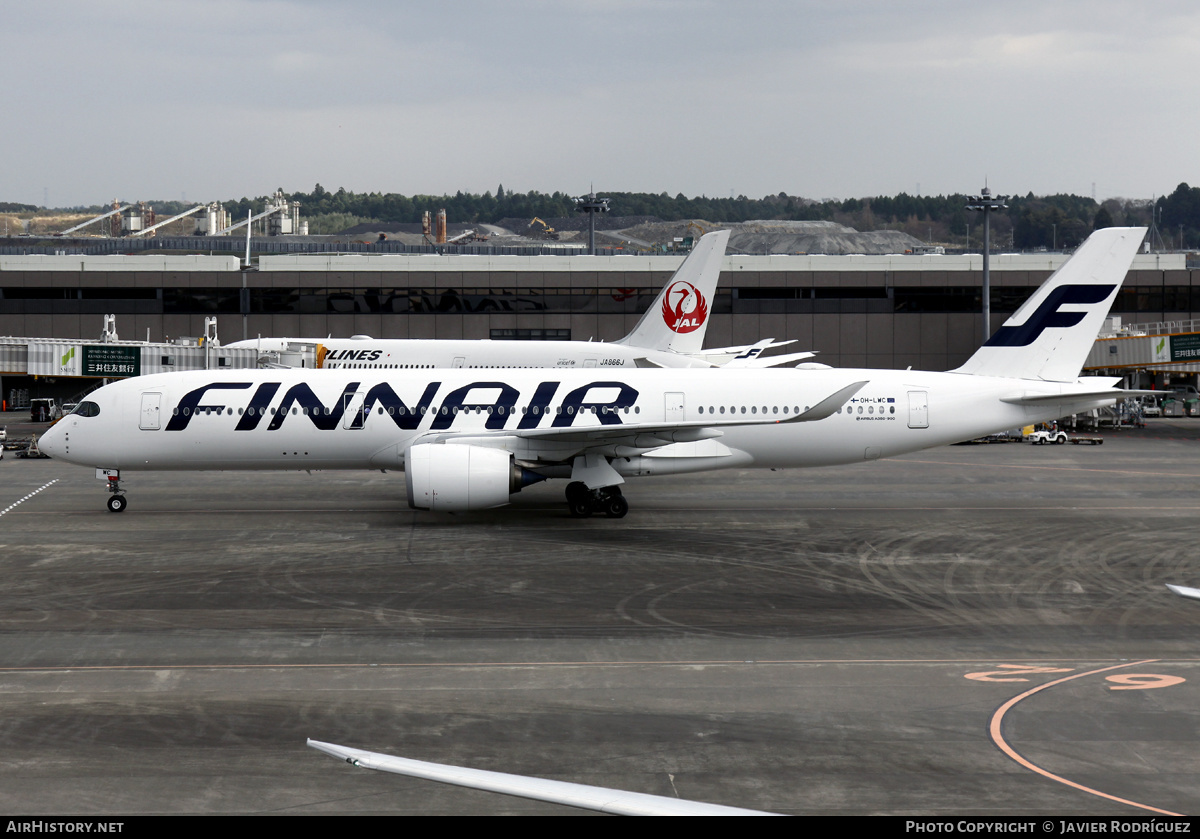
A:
x,y
889,311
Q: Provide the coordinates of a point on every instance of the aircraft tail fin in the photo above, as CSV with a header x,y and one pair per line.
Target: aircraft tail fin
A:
x,y
678,317
1049,337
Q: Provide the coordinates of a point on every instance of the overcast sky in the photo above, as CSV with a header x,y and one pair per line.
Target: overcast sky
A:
x,y
220,99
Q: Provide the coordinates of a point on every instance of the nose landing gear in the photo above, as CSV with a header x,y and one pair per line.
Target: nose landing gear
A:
x,y
116,501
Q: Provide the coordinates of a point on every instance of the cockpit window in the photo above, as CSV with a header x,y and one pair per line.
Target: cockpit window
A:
x,y
86,409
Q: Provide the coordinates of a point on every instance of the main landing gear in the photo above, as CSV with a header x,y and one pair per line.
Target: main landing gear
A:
x,y
583,501
116,501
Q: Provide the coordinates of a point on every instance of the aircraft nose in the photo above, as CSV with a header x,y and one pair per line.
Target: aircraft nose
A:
x,y
53,441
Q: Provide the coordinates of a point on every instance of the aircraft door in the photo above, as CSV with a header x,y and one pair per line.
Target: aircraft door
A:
x,y
352,411
590,362
918,409
673,407
459,362
150,417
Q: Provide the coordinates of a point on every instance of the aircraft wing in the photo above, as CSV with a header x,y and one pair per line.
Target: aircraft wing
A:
x,y
1184,591
616,802
664,432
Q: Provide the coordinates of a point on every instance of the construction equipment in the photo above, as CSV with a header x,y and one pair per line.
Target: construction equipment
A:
x,y
547,231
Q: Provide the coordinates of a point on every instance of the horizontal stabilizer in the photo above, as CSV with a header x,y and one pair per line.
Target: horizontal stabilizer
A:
x,y
1071,396
764,344
647,364
759,362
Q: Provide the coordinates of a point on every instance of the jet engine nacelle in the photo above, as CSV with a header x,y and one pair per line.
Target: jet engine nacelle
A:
x,y
450,477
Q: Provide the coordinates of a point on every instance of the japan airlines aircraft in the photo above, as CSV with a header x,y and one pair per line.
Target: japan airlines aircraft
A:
x,y
467,440
669,334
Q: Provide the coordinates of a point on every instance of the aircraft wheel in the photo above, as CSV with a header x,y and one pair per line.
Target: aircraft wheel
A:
x,y
576,490
116,504
581,508
615,507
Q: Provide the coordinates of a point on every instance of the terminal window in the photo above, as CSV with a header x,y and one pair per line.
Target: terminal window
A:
x,y
530,335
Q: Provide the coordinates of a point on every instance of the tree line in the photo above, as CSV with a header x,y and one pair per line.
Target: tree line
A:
x,y
1029,222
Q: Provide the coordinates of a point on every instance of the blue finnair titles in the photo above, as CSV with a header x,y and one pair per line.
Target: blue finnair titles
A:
x,y
356,402
468,441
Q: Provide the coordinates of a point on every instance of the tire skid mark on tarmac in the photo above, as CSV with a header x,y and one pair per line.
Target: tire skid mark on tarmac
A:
x,y
958,573
995,730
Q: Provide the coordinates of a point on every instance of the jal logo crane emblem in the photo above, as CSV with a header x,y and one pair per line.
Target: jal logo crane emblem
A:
x,y
684,308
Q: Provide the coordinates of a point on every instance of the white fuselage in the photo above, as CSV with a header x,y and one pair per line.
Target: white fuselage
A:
x,y
417,354
303,419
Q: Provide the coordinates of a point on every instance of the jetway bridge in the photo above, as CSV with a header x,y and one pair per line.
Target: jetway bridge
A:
x,y
1162,353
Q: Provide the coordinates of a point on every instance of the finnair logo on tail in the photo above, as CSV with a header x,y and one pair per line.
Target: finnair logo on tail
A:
x,y
1048,315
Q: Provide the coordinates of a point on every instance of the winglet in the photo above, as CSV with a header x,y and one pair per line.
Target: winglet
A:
x,y
828,406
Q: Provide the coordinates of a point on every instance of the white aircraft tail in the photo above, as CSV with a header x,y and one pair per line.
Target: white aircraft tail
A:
x,y
678,317
1049,337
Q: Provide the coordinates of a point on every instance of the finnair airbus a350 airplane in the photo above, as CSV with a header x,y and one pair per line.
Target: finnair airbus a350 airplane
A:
x,y
669,334
467,440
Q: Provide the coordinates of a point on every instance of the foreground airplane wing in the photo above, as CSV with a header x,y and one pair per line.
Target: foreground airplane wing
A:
x,y
616,802
1184,591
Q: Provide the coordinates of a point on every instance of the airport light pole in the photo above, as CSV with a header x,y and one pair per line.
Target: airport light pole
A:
x,y
591,205
985,203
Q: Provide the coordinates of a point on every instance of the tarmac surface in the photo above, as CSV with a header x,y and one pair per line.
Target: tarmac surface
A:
x,y
852,640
